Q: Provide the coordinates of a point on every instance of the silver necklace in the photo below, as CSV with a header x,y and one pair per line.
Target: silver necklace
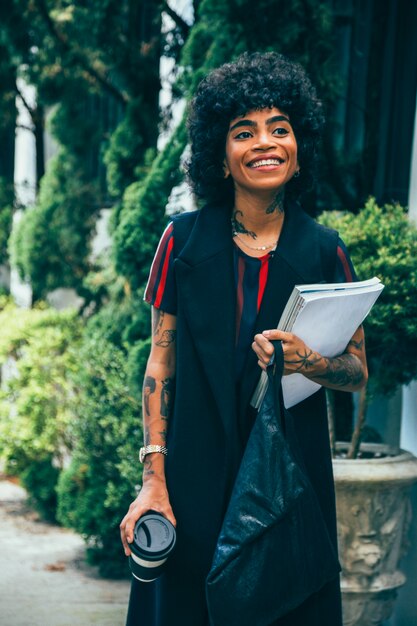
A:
x,y
266,247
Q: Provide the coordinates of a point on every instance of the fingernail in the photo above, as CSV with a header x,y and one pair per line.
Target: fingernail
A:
x,y
266,333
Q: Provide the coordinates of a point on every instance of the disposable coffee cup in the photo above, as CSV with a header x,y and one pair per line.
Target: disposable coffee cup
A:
x,y
153,541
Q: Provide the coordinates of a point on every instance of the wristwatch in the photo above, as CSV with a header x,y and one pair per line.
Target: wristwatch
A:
x,y
151,448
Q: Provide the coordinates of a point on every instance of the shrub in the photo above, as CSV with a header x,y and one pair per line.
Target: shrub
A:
x,y
383,242
6,214
142,217
40,348
96,489
40,478
120,316
128,155
51,243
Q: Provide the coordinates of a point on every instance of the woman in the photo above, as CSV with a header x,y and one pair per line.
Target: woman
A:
x,y
219,282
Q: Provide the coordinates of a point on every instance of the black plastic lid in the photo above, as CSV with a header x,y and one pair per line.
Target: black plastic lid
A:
x,y
154,537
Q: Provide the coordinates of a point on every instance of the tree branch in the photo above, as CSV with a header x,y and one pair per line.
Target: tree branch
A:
x,y
357,433
331,420
180,22
23,127
25,103
78,54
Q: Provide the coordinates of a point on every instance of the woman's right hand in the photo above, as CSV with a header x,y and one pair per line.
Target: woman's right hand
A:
x,y
152,496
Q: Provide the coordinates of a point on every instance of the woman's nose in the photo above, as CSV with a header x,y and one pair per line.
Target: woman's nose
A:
x,y
264,141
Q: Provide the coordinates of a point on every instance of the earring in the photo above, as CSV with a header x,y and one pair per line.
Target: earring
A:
x,y
297,173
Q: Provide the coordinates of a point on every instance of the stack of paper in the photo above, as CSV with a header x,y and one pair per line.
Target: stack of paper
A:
x,y
324,316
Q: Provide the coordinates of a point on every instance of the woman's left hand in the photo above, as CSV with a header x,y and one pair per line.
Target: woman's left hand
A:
x,y
348,371
298,357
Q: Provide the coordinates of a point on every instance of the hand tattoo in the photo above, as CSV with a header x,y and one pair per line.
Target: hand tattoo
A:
x,y
239,227
168,337
149,386
306,360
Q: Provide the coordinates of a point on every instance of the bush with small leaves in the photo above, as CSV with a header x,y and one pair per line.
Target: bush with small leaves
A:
x,y
383,242
97,487
6,214
50,246
38,352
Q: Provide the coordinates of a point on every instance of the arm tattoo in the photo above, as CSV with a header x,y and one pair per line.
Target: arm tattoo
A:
x,y
277,204
166,394
343,370
356,344
306,360
147,470
168,336
163,434
149,386
157,322
239,227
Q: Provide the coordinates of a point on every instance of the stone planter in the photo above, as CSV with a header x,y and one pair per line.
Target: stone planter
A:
x,y
374,514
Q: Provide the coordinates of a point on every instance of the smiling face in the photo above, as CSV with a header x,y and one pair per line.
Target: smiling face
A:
x,y
261,151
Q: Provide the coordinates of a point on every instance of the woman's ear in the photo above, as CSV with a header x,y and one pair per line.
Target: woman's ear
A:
x,y
226,170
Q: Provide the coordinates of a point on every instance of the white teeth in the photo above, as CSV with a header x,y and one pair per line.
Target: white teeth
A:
x,y
266,162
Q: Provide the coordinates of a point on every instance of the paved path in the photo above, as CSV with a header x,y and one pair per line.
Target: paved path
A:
x,y
43,578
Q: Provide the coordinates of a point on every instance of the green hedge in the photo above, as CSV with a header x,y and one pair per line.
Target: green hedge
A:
x,y
70,424
142,217
95,491
383,242
51,243
6,215
35,412
120,316
129,155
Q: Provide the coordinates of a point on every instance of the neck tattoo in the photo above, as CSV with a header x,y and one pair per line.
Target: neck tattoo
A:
x,y
277,204
267,246
239,227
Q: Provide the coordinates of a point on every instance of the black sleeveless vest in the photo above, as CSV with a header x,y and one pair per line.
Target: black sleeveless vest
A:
x,y
211,421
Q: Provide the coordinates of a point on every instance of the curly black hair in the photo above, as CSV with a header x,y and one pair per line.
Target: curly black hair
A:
x,y
251,82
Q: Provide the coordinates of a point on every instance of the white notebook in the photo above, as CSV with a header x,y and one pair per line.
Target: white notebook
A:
x,y
324,316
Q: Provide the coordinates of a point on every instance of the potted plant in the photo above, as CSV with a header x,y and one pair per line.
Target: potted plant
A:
x,y
373,480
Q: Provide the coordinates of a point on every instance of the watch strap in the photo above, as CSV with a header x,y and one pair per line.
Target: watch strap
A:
x,y
149,449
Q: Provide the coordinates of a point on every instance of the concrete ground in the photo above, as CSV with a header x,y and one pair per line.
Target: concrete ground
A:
x,y
43,578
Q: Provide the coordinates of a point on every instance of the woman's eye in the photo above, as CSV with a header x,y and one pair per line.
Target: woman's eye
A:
x,y
281,131
245,134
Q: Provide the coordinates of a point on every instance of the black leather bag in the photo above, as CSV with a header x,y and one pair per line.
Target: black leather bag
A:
x,y
274,549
